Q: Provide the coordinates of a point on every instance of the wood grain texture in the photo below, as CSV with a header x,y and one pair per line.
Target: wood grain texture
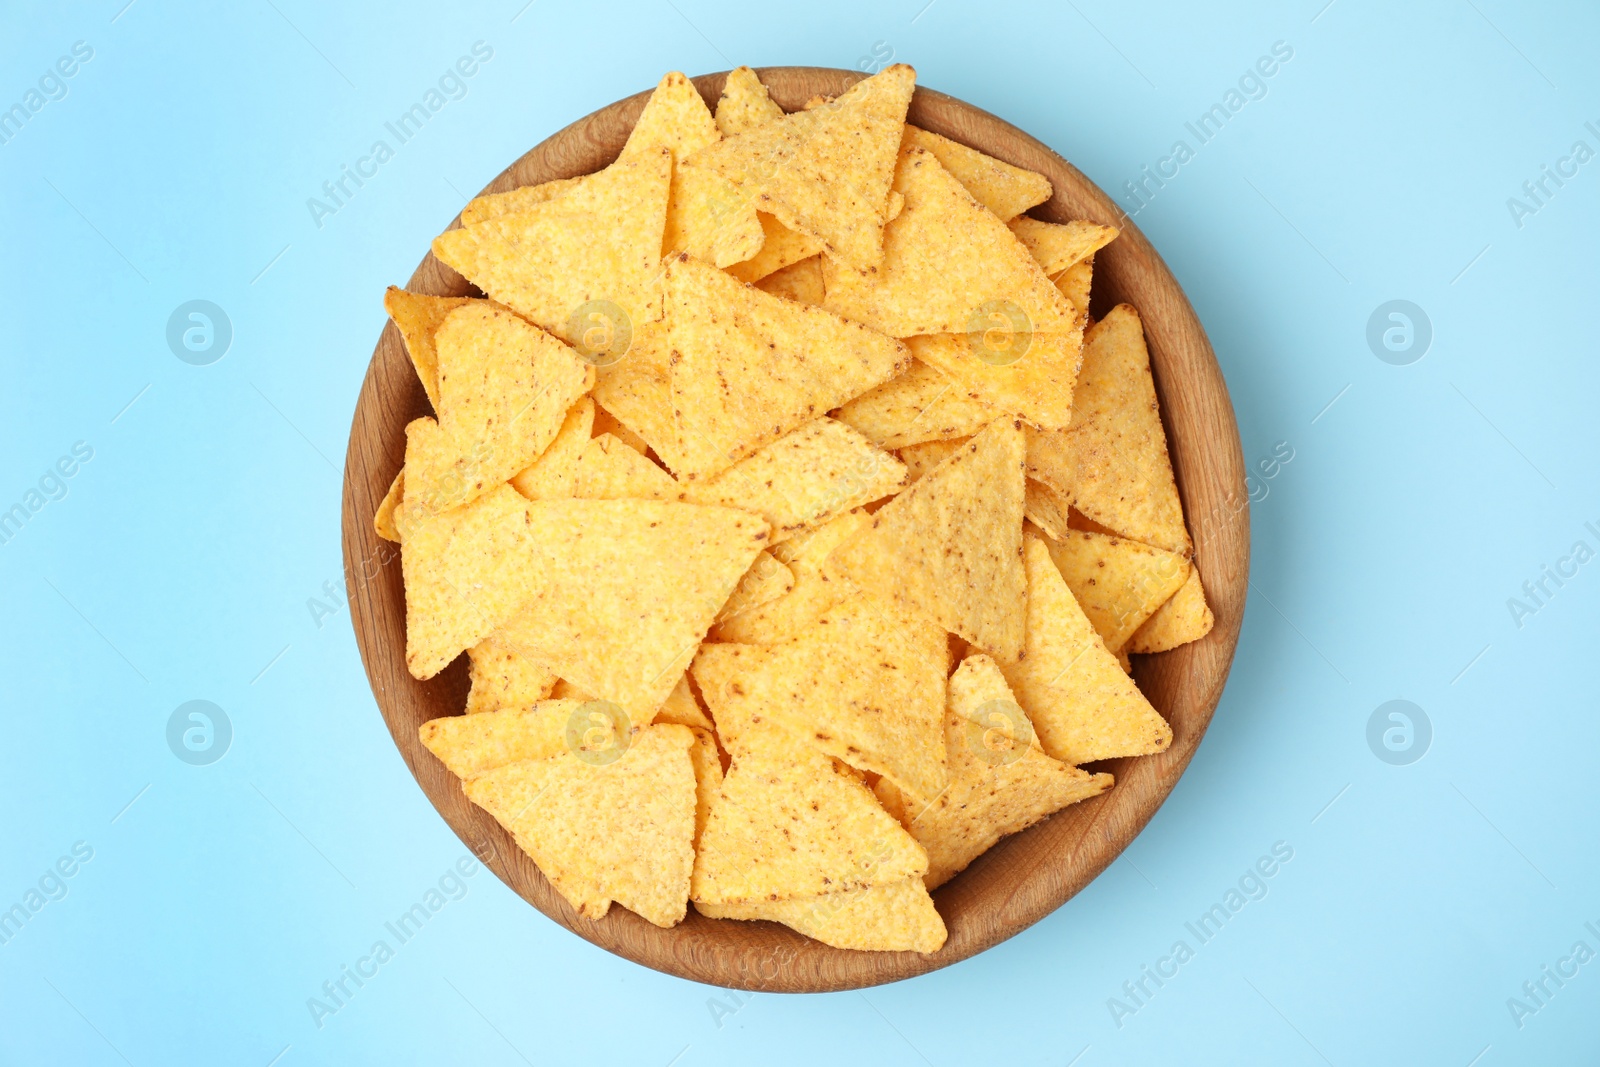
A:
x,y
1026,876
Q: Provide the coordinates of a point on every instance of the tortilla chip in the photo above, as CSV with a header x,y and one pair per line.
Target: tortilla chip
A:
x,y
504,391
1047,510
748,367
804,478
1000,779
470,745
607,423
950,547
550,477
814,590
637,392
1005,190
864,684
1057,246
607,469
1037,385
800,282
682,708
1083,706
620,831
1183,618
922,458
505,677
1112,462
522,198
383,519
897,917
1119,583
946,262
624,590
418,316
1074,282
744,104
744,724
764,582
825,172
707,778
781,247
596,246
463,575
793,826
923,404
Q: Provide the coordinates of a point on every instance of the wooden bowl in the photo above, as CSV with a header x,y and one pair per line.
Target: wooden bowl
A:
x,y
1024,877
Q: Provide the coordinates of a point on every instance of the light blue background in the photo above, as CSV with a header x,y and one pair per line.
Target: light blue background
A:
x,y
180,562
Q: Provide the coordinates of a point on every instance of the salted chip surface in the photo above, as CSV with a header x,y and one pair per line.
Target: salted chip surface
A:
x,y
418,316
465,575
813,592
504,391
1010,371
864,684
551,475
744,103
1082,704
504,676
601,831
1007,191
922,404
622,591
1183,618
950,547
800,281
1113,461
383,519
607,469
748,367
1119,583
804,478
825,172
765,581
897,917
469,745
924,457
593,251
1000,779
791,826
780,247
1059,245
946,261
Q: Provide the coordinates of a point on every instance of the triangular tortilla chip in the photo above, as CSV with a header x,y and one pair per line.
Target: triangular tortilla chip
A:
x,y
1083,706
1074,283
1000,779
597,246
804,478
1057,246
607,469
814,590
504,391
607,423
470,745
637,391
624,590
707,778
505,677
780,247
1119,583
923,457
826,172
522,198
1185,617
864,684
1005,190
417,316
620,831
794,827
680,708
897,917
383,519
764,582
800,281
950,547
463,575
1112,463
744,723
550,477
946,262
748,367
744,103
1045,508
923,404
1037,384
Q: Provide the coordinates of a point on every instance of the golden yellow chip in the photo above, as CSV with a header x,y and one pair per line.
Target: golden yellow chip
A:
x,y
923,404
1074,284
1037,384
1000,779
1082,704
948,264
865,684
607,423
504,391
550,477
601,831
804,478
682,708
593,252
624,590
923,457
763,583
383,519
800,281
792,826
781,247
1119,583
519,199
813,592
950,547
707,777
1045,508
748,367
897,917
470,745
744,103
504,676
636,391
744,724
1185,617
1057,246
607,469
417,316
1007,191
825,172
